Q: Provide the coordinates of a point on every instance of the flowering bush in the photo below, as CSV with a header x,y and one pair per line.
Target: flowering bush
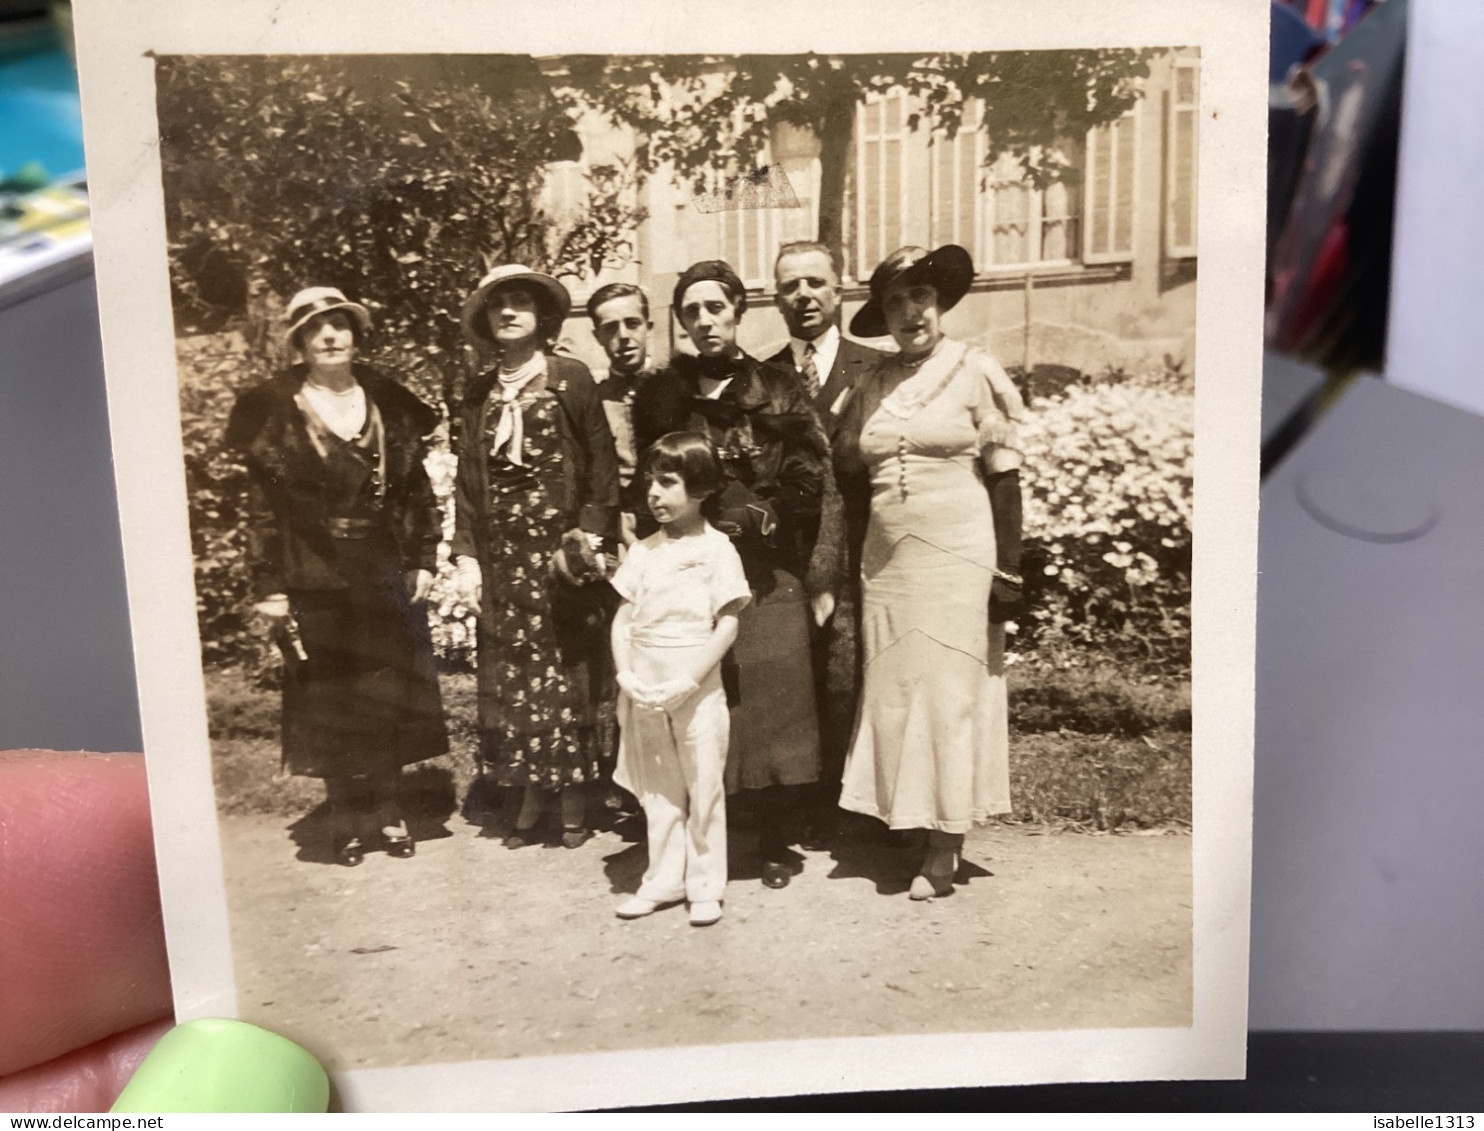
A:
x,y
1108,482
1107,486
452,620
213,370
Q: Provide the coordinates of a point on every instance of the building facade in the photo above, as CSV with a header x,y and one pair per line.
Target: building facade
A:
x,y
1096,271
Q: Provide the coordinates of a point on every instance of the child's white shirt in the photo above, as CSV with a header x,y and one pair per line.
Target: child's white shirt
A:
x,y
679,586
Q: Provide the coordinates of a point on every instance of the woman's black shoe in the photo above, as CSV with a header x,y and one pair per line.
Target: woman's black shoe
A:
x,y
776,874
524,838
351,853
403,846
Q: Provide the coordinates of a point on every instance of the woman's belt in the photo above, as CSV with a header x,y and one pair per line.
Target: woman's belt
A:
x,y
353,527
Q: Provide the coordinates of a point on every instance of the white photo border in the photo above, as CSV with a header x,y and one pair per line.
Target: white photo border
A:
x,y
116,39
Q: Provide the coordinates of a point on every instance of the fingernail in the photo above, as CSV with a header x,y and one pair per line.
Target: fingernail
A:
x,y
218,1065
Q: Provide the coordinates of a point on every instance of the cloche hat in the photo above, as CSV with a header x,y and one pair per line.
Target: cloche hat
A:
x,y
717,271
316,300
475,324
950,270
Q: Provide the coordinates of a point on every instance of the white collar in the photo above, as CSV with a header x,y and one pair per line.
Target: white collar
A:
x,y
712,387
826,349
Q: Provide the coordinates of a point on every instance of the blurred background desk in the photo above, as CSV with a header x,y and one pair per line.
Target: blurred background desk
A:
x,y
66,664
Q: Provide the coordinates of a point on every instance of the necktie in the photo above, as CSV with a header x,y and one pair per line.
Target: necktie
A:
x,y
810,370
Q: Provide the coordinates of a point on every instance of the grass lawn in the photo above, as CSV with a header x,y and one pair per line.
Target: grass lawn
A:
x,y
1090,749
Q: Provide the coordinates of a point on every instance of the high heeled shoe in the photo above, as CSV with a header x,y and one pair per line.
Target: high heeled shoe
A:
x,y
401,846
524,837
936,877
351,853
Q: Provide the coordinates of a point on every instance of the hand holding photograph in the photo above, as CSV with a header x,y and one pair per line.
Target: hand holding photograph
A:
x,y
671,561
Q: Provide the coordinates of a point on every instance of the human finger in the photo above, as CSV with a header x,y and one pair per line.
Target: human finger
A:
x,y
82,948
87,1079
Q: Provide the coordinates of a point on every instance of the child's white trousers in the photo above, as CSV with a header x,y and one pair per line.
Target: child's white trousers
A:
x,y
672,761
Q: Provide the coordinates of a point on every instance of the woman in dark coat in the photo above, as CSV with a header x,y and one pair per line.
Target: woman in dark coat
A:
x,y
774,459
342,543
537,524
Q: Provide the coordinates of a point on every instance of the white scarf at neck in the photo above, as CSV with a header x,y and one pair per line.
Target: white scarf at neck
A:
x,y
510,432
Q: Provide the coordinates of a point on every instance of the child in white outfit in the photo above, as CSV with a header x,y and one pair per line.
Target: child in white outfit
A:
x,y
682,588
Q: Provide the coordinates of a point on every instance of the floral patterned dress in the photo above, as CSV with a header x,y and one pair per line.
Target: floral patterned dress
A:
x,y
539,674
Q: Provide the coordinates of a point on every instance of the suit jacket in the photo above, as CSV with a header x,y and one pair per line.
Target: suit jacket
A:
x,y
589,464
851,361
289,545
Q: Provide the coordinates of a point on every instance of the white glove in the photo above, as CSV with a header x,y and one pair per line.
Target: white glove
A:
x,y
469,582
274,608
672,693
823,605
419,582
631,686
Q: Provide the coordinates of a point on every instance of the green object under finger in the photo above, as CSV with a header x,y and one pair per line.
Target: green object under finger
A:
x,y
217,1065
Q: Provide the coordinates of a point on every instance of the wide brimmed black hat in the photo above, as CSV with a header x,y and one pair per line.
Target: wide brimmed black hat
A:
x,y
950,270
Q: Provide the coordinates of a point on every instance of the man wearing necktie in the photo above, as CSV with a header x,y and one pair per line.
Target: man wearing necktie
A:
x,y
808,297
828,365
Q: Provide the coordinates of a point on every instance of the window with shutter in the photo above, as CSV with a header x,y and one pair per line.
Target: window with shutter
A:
x,y
880,179
1110,189
749,233
1181,160
1026,226
955,172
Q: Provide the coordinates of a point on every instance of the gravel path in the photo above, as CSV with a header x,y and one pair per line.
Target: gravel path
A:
x,y
472,951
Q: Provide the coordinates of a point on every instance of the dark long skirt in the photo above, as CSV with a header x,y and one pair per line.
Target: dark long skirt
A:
x,y
775,728
366,701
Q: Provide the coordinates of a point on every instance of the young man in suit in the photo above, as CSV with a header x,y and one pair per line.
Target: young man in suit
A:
x,y
808,297
621,323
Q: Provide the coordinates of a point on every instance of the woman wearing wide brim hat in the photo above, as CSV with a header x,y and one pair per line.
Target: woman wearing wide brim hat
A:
x,y
926,456
536,528
950,271
545,289
342,545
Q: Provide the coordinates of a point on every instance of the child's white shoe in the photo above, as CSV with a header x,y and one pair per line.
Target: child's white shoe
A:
x,y
705,912
637,907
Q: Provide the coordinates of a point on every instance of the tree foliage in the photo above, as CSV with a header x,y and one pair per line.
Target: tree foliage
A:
x,y
708,113
398,183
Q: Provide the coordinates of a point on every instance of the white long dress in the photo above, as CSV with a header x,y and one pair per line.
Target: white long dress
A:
x,y
931,744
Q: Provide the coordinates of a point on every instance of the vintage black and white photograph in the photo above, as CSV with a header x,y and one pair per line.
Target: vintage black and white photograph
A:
x,y
692,549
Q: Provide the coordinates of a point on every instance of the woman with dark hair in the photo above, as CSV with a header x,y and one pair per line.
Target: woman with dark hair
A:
x,y
537,519
773,456
343,536
927,458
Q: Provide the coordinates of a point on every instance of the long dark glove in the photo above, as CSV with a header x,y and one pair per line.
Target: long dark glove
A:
x,y
1005,597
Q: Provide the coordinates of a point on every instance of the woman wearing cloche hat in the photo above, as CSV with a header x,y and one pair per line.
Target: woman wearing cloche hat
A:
x,y
927,459
536,527
342,543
